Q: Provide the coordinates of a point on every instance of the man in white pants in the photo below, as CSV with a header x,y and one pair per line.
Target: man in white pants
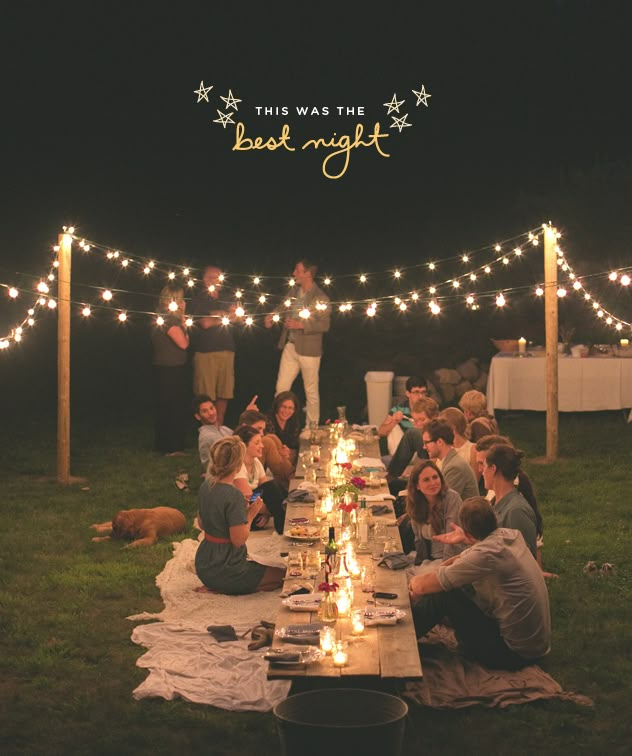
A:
x,y
302,338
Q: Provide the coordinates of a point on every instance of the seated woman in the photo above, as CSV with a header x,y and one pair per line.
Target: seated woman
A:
x,y
432,508
480,422
221,559
251,479
276,456
284,421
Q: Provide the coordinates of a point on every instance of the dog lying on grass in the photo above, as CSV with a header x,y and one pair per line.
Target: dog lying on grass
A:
x,y
146,526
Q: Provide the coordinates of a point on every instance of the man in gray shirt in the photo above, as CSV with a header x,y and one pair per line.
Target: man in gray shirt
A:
x,y
506,623
438,441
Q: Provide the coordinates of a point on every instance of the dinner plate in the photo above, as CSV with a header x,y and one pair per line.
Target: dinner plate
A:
x,y
299,521
383,612
303,533
291,655
307,602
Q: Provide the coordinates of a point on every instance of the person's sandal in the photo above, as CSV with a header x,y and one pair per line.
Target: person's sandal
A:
x,y
262,635
182,481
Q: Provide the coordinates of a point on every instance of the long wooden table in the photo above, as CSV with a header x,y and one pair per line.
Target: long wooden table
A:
x,y
388,652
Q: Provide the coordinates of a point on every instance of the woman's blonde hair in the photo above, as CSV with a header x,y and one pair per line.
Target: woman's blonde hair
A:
x,y
455,418
226,457
474,401
170,293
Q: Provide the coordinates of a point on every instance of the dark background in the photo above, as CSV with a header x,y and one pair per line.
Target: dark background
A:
x,y
529,121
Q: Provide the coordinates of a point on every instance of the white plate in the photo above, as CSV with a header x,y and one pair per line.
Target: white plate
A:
x,y
306,602
383,613
307,655
303,533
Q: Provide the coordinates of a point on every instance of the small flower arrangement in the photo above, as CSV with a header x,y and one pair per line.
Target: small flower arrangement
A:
x,y
358,482
328,587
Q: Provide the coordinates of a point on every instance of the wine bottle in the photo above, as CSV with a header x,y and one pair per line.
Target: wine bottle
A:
x,y
363,525
331,555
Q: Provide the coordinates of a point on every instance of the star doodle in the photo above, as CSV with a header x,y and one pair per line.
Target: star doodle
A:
x,y
422,96
400,123
202,92
224,118
393,105
231,102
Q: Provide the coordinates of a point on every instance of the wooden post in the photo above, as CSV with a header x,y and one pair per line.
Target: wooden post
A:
x,y
551,334
63,359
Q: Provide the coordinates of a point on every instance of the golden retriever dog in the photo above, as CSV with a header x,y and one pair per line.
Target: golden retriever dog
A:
x,y
146,526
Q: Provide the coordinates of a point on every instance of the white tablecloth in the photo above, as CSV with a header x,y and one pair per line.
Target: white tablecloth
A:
x,y
585,384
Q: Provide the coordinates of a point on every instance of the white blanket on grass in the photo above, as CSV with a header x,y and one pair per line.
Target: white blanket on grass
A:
x,y
183,658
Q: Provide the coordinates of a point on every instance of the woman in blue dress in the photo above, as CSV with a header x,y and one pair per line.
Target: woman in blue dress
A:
x,y
221,561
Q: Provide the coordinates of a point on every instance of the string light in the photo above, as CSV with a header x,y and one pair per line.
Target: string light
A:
x,y
122,317
249,296
86,311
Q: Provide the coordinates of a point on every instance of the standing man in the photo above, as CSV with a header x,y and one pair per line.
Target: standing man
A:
x,y
213,344
302,338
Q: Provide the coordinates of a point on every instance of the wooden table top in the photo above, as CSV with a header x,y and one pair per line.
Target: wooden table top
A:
x,y
384,651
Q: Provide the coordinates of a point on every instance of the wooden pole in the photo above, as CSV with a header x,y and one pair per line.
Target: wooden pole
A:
x,y
63,359
551,334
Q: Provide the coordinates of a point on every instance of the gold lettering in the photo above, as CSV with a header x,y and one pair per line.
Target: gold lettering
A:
x,y
345,146
243,143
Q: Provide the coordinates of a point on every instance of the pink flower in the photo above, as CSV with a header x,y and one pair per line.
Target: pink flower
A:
x,y
358,482
328,587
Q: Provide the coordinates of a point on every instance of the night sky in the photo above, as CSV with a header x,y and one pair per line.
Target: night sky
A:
x,y
528,121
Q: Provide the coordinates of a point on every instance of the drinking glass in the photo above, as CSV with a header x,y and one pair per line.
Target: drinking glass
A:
x,y
295,563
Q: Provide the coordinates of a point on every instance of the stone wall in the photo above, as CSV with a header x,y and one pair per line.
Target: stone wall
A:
x,y
447,385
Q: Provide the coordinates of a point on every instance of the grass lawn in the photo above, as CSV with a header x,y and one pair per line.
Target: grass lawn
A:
x,y
67,667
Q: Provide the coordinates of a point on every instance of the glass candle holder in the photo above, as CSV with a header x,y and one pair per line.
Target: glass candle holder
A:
x,y
357,621
368,579
327,639
343,601
340,654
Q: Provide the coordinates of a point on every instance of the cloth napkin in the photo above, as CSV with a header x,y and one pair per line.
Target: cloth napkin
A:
x,y
369,463
379,616
379,497
301,496
304,586
304,634
381,509
286,656
222,633
395,560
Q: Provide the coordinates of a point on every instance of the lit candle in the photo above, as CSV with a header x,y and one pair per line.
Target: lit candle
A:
x,y
522,345
357,621
327,639
340,654
343,602
624,342
354,569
